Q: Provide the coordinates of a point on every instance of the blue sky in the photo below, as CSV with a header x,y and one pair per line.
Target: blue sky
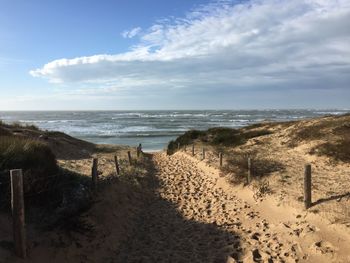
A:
x,y
86,55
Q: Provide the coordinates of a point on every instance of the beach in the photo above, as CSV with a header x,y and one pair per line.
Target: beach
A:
x,y
186,208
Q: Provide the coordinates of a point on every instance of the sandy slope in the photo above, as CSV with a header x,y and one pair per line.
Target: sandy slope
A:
x,y
243,230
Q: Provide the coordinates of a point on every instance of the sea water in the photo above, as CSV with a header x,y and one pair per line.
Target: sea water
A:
x,y
154,129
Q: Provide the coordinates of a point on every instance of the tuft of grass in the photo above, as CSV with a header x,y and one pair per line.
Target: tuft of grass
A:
x,y
261,188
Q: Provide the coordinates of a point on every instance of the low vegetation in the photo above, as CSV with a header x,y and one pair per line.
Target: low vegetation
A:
x,y
218,137
260,166
333,134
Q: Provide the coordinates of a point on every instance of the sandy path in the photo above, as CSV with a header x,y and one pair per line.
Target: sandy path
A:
x,y
191,219
186,212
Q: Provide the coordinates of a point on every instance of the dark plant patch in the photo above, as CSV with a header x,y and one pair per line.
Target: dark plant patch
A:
x,y
261,166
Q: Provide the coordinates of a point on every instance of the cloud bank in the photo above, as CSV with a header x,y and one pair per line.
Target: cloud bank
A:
x,y
225,45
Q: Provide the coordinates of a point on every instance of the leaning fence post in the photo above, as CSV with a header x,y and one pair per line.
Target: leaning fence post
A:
x,y
220,157
116,164
94,173
203,153
249,174
307,186
18,215
129,157
192,149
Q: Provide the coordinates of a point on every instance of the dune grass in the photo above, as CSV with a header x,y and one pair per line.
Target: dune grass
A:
x,y
218,137
260,166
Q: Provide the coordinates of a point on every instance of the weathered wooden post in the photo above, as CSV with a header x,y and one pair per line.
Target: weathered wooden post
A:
x,y
307,186
220,157
129,157
116,164
94,173
178,146
249,171
139,150
203,153
18,215
192,149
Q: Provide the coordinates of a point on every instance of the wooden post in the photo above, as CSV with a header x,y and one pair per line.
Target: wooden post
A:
x,y
139,150
192,149
307,186
116,164
220,157
129,157
203,153
185,149
178,146
18,215
249,171
94,173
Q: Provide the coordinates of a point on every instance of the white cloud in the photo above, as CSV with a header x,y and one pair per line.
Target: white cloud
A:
x,y
258,43
131,33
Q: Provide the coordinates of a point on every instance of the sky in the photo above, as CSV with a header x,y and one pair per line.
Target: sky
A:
x,y
184,54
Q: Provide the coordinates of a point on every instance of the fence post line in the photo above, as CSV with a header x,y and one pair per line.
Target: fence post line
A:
x,y
116,164
249,174
129,157
18,214
94,173
307,186
220,157
203,153
192,149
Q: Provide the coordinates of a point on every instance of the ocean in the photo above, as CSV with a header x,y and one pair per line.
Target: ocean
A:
x,y
154,129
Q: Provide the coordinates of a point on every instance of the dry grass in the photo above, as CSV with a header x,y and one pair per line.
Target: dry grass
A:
x,y
333,134
338,151
261,188
237,165
35,159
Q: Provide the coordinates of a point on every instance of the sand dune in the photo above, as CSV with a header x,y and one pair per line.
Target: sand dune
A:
x,y
182,210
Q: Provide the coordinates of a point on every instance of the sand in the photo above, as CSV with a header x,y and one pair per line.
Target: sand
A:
x,y
185,211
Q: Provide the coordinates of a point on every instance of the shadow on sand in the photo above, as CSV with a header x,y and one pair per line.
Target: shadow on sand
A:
x,y
162,234
331,198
